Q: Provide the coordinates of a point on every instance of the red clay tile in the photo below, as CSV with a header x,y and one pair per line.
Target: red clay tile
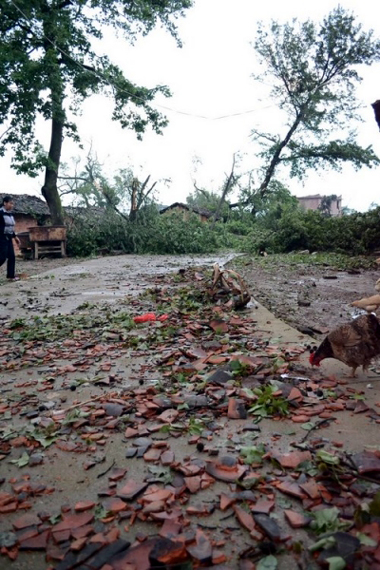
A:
x,y
152,454
114,505
311,488
116,474
193,483
168,552
154,507
73,521
84,506
244,518
218,557
226,502
296,520
8,508
98,538
130,432
159,495
167,457
36,542
168,416
82,531
78,544
236,409
27,533
170,529
301,419
25,521
295,395
61,536
291,489
131,489
224,471
292,459
202,550
113,534
263,506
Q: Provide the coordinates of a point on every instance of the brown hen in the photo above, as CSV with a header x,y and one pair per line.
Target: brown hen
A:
x,y
354,344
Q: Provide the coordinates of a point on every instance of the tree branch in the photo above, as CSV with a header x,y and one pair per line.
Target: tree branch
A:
x,y
228,185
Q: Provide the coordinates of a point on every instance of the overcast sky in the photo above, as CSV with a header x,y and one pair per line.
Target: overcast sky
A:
x,y
215,103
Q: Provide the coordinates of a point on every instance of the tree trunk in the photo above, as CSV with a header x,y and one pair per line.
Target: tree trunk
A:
x,y
227,186
49,189
134,188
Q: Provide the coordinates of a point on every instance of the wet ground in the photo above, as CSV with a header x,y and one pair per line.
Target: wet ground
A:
x,y
52,286
83,377
313,298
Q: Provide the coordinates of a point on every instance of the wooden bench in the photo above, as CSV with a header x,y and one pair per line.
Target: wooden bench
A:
x,y
47,240
47,247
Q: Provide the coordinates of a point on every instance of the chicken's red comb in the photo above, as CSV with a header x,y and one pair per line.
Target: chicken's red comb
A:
x,y
312,360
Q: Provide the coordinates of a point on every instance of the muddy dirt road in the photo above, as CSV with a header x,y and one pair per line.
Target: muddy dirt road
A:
x,y
313,298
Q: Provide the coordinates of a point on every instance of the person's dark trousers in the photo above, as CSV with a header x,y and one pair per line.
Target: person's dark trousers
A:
x,y
7,252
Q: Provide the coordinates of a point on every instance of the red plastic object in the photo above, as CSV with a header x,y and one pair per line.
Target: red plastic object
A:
x,y
145,318
163,318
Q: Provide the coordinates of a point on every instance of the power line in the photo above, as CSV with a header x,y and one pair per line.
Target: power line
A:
x,y
114,84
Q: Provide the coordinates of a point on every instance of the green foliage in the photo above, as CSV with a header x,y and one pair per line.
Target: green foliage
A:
x,y
285,229
55,327
176,235
239,227
48,67
327,520
267,563
150,233
89,187
205,199
47,57
22,461
314,69
268,403
253,454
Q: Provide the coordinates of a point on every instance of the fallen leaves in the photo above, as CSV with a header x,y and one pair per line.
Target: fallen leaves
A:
x,y
197,469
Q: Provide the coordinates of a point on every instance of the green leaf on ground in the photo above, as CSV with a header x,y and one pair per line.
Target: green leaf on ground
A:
x,y
267,563
336,563
22,461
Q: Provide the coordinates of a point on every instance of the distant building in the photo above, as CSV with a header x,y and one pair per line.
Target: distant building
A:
x,y
331,204
203,214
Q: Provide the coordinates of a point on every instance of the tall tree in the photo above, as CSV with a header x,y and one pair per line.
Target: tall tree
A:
x,y
48,67
314,69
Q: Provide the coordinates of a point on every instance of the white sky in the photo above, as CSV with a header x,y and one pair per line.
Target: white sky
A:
x,y
210,77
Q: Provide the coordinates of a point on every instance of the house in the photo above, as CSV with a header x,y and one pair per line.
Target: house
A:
x,y
28,211
330,204
177,207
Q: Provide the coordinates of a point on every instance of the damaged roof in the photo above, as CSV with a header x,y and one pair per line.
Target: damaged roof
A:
x,y
27,204
195,209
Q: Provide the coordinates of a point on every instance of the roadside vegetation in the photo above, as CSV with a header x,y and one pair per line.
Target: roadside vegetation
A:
x,y
281,228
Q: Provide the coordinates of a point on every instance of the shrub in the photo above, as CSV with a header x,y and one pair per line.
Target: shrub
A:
x,y
149,233
288,230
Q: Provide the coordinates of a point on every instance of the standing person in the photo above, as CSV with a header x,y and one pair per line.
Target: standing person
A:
x,y
7,235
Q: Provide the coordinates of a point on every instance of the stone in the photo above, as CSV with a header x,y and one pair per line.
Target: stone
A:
x,y
268,526
220,377
114,410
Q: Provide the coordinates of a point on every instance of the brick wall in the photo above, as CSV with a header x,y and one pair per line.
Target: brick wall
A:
x,y
23,223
